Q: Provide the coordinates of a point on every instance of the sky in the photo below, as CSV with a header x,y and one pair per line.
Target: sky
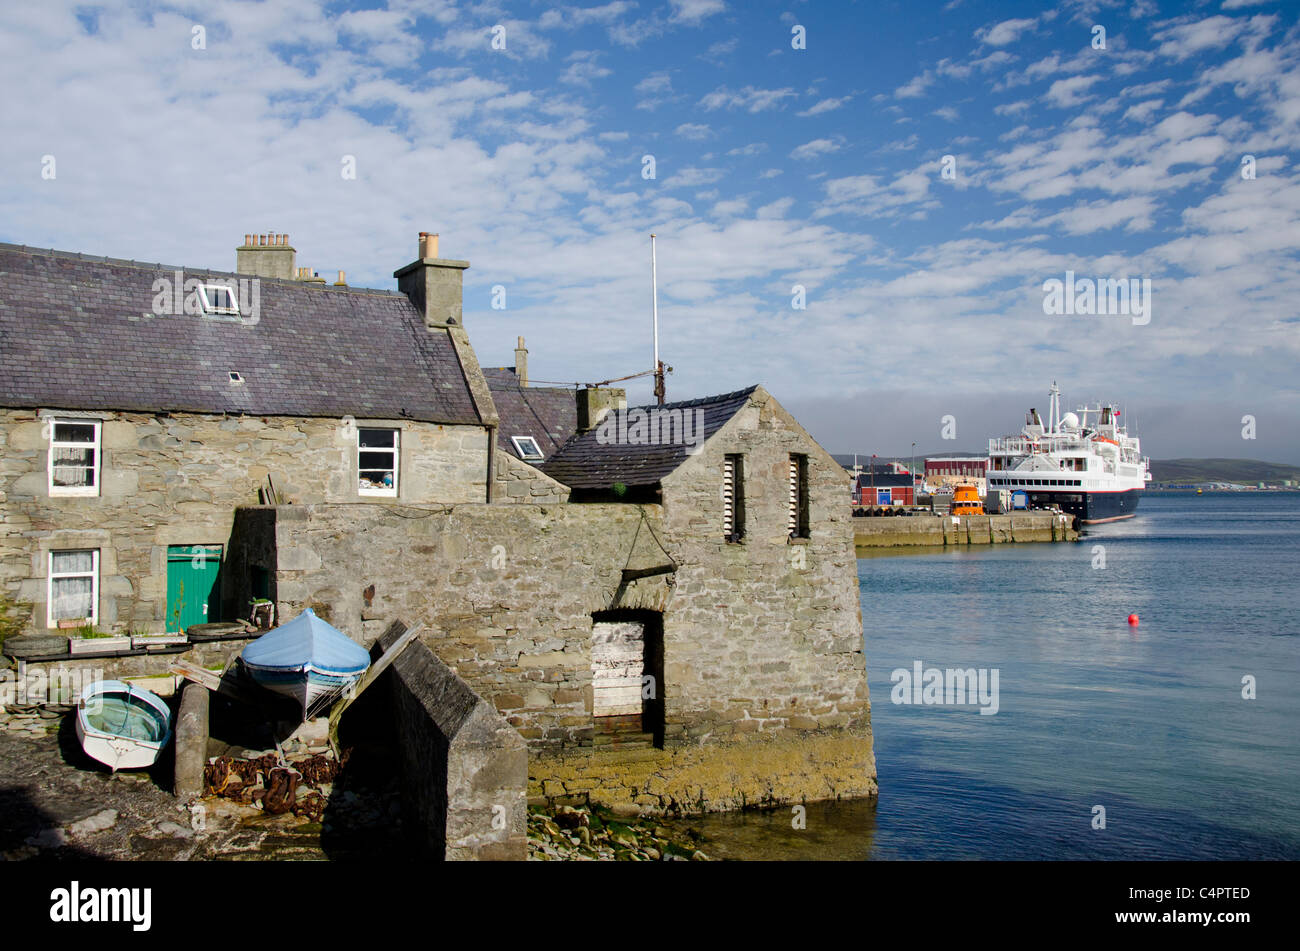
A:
x,y
861,206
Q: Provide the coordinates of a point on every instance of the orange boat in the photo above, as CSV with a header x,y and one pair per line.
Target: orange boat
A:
x,y
966,501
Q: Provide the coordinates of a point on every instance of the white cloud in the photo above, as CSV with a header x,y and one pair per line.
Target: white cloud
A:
x,y
694,131
750,98
825,105
692,177
1216,32
1070,92
1000,34
815,148
692,12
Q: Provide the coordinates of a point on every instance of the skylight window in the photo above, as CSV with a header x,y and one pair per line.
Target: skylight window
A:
x,y
527,448
219,299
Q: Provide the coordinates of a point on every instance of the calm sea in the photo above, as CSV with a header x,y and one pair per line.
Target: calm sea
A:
x,y
1149,722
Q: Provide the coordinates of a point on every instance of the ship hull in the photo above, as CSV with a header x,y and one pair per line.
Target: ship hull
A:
x,y
1091,508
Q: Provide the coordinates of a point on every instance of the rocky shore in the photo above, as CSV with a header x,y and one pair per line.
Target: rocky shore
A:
x,y
593,834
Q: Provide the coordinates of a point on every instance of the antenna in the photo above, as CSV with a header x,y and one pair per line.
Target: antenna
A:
x,y
654,307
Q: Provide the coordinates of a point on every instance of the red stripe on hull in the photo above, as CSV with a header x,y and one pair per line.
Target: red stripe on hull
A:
x,y
1114,518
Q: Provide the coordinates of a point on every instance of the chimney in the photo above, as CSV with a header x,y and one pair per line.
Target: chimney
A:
x,y
521,363
340,282
266,255
433,284
595,402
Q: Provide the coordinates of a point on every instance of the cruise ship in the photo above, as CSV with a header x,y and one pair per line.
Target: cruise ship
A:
x,y
1084,463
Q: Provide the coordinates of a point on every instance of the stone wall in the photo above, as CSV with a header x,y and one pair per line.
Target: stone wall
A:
x,y
519,482
766,633
464,769
749,771
759,643
938,530
176,480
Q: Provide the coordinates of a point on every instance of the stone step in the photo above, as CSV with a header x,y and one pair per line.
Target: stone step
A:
x,y
623,741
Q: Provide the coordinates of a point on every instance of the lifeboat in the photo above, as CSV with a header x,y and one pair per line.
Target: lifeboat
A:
x,y
966,501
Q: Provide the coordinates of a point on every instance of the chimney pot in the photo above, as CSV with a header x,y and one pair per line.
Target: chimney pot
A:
x,y
340,282
521,363
433,284
266,255
594,403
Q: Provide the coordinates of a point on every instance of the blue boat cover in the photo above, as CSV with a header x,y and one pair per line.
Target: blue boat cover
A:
x,y
307,641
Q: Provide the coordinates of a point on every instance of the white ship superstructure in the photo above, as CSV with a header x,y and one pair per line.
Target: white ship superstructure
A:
x,y
1083,462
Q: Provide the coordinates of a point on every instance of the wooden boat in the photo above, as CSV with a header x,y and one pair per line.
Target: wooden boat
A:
x,y
307,659
121,725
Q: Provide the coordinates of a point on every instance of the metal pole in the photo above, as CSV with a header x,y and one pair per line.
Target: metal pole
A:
x,y
654,306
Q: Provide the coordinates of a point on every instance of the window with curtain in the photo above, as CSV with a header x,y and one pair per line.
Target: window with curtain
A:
x,y
74,586
74,457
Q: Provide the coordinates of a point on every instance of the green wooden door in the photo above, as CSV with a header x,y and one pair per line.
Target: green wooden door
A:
x,y
193,596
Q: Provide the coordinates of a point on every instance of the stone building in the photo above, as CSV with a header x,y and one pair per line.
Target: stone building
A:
x,y
662,601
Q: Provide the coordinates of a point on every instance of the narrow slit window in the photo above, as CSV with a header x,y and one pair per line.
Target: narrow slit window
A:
x,y
74,457
798,515
73,587
377,461
733,497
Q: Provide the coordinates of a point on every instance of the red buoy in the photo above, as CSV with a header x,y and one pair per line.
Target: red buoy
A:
x,y
1133,620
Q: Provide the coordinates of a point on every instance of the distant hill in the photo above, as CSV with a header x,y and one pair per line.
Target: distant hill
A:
x,y
1221,470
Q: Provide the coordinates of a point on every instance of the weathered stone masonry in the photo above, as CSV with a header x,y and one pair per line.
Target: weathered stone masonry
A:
x,y
176,479
764,689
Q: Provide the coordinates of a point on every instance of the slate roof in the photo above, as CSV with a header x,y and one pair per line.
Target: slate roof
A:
x,y
548,414
73,335
584,463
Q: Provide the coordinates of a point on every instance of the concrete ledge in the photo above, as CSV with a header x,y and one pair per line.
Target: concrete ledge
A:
x,y
887,531
464,768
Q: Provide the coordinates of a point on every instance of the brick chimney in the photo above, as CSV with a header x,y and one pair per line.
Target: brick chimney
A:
x,y
266,255
521,363
594,402
433,284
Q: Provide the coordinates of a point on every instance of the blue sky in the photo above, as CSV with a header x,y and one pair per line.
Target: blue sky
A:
x,y
773,167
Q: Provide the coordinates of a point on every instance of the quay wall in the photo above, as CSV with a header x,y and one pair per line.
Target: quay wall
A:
x,y
943,530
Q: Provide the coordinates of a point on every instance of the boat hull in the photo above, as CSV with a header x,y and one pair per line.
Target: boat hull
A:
x,y
119,749
306,685
1091,508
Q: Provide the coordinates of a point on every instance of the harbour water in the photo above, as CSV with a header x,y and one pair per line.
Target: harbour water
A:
x,y
1147,722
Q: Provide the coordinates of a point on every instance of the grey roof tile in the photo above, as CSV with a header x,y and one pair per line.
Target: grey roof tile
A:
x,y
548,414
584,462
73,335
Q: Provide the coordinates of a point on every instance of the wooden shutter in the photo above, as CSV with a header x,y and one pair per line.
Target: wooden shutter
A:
x,y
792,521
728,496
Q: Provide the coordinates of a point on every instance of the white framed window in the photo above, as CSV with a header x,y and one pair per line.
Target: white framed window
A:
x,y
219,299
527,448
74,456
73,592
377,461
